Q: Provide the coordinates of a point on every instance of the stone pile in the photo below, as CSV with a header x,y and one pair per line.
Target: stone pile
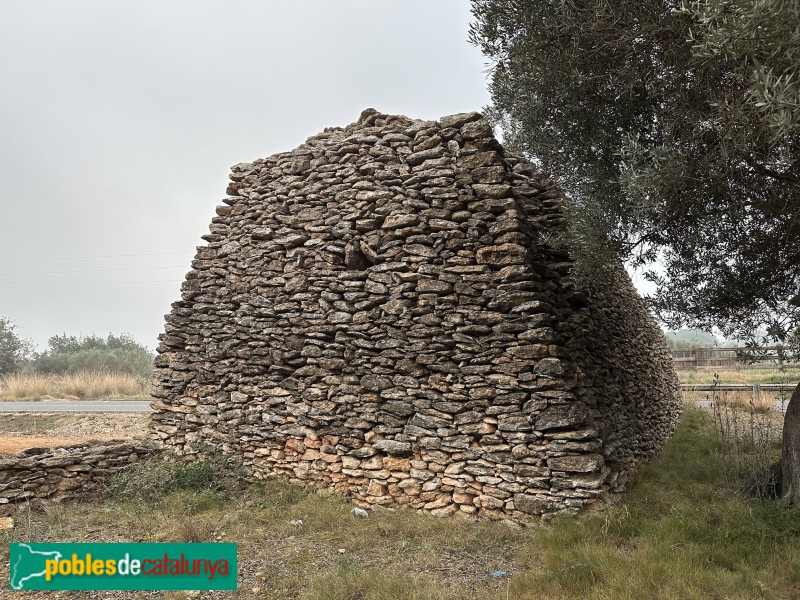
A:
x,y
379,312
68,472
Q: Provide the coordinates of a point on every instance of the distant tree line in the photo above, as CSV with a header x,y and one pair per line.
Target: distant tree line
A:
x,y
690,338
66,354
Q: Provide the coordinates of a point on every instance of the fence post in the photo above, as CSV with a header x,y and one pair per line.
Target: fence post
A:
x,y
756,390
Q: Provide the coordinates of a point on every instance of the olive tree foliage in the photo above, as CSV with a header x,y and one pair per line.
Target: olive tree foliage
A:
x,y
674,127
13,349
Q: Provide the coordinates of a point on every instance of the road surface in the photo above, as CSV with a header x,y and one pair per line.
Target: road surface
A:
x,y
59,406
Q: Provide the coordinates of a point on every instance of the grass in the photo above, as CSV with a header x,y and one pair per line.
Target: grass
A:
x,y
85,385
681,532
746,375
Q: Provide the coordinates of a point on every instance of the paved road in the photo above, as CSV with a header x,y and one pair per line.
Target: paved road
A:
x,y
77,406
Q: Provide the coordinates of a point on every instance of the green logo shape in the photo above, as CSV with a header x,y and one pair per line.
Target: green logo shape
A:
x,y
122,566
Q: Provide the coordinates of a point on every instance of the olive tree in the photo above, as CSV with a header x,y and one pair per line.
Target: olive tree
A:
x,y
13,349
674,126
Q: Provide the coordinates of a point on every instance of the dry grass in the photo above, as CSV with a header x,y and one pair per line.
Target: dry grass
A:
x,y
86,385
750,441
746,375
762,402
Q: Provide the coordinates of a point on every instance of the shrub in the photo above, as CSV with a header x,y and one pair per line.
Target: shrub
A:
x,y
155,479
114,354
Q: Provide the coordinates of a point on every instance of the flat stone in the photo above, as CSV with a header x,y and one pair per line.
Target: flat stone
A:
x,y
420,250
531,504
476,130
573,414
492,190
376,383
513,423
529,351
584,463
434,286
459,119
398,221
503,254
393,447
418,158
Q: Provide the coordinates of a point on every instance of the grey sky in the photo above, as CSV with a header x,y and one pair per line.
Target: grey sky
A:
x,y
122,118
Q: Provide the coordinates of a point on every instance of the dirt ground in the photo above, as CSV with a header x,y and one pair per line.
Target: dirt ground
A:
x,y
20,431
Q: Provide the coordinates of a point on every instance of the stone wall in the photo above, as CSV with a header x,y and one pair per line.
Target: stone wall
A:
x,y
378,311
68,472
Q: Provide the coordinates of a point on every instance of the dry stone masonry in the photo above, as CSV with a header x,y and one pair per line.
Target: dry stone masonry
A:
x,y
68,472
378,312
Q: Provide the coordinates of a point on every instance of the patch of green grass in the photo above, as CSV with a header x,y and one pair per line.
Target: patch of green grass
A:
x,y
676,535
152,480
679,533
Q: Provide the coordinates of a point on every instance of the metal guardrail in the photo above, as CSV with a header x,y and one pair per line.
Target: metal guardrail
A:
x,y
739,387
757,389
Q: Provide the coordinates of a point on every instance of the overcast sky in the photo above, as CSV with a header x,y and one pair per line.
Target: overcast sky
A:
x,y
119,122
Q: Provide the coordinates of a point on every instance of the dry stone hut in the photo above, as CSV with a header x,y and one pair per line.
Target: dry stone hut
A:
x,y
377,312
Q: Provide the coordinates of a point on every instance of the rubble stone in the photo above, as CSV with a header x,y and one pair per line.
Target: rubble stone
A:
x,y
68,472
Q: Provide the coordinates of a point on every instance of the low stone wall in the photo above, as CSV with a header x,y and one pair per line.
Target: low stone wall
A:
x,y
68,472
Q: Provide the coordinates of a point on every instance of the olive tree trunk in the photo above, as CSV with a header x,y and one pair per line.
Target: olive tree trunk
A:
x,y
790,460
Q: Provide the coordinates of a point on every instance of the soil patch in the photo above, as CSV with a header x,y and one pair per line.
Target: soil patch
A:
x,y
20,431
11,444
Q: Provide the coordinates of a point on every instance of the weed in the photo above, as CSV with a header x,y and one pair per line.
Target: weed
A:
x,y
154,479
749,442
